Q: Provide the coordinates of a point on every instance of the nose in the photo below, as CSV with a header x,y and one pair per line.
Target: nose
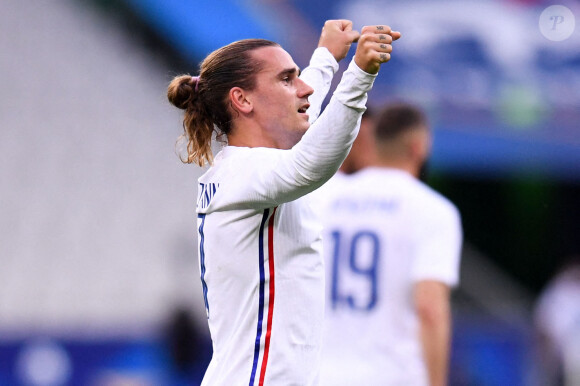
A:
x,y
303,90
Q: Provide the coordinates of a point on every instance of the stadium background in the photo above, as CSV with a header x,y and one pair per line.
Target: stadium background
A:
x,y
98,276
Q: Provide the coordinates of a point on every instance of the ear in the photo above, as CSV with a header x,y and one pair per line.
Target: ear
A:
x,y
413,147
239,100
420,145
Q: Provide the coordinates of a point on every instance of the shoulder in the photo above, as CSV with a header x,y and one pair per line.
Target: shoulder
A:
x,y
235,153
433,205
237,161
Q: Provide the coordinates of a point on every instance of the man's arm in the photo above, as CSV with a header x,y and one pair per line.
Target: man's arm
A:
x,y
433,308
280,176
435,271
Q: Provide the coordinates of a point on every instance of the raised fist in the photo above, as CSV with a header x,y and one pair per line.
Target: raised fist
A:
x,y
374,47
337,36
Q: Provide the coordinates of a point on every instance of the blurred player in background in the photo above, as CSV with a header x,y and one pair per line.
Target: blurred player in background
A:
x,y
259,243
392,250
557,323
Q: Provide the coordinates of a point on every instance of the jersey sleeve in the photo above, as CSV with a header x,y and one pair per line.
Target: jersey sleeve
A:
x,y
266,177
439,239
326,144
318,75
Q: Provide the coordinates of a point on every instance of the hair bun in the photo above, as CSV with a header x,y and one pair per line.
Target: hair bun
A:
x,y
180,91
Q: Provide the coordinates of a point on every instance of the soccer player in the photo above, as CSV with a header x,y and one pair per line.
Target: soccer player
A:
x,y
556,321
259,244
392,250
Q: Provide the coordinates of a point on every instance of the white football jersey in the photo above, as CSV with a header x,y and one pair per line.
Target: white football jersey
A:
x,y
384,231
260,247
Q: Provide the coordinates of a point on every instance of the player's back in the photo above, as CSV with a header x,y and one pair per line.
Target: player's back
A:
x,y
374,221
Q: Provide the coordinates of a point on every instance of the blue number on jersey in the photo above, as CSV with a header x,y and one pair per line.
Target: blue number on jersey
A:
x,y
358,266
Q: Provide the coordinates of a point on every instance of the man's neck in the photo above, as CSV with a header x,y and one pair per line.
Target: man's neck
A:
x,y
405,166
249,136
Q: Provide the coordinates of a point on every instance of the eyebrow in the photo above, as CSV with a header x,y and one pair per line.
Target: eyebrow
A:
x,y
289,71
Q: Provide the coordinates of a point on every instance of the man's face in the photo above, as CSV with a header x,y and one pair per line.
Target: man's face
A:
x,y
280,98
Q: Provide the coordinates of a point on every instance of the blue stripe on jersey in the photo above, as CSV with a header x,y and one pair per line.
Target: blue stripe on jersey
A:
x,y
261,304
202,261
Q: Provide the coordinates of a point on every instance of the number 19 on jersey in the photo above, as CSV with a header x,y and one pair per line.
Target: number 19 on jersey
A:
x,y
354,270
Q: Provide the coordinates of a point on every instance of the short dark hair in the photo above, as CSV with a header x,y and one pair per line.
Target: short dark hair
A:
x,y
397,119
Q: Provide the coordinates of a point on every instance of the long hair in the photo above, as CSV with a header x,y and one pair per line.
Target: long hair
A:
x,y
205,99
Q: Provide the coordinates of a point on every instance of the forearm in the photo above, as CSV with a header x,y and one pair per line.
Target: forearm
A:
x,y
325,145
318,75
432,304
435,333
